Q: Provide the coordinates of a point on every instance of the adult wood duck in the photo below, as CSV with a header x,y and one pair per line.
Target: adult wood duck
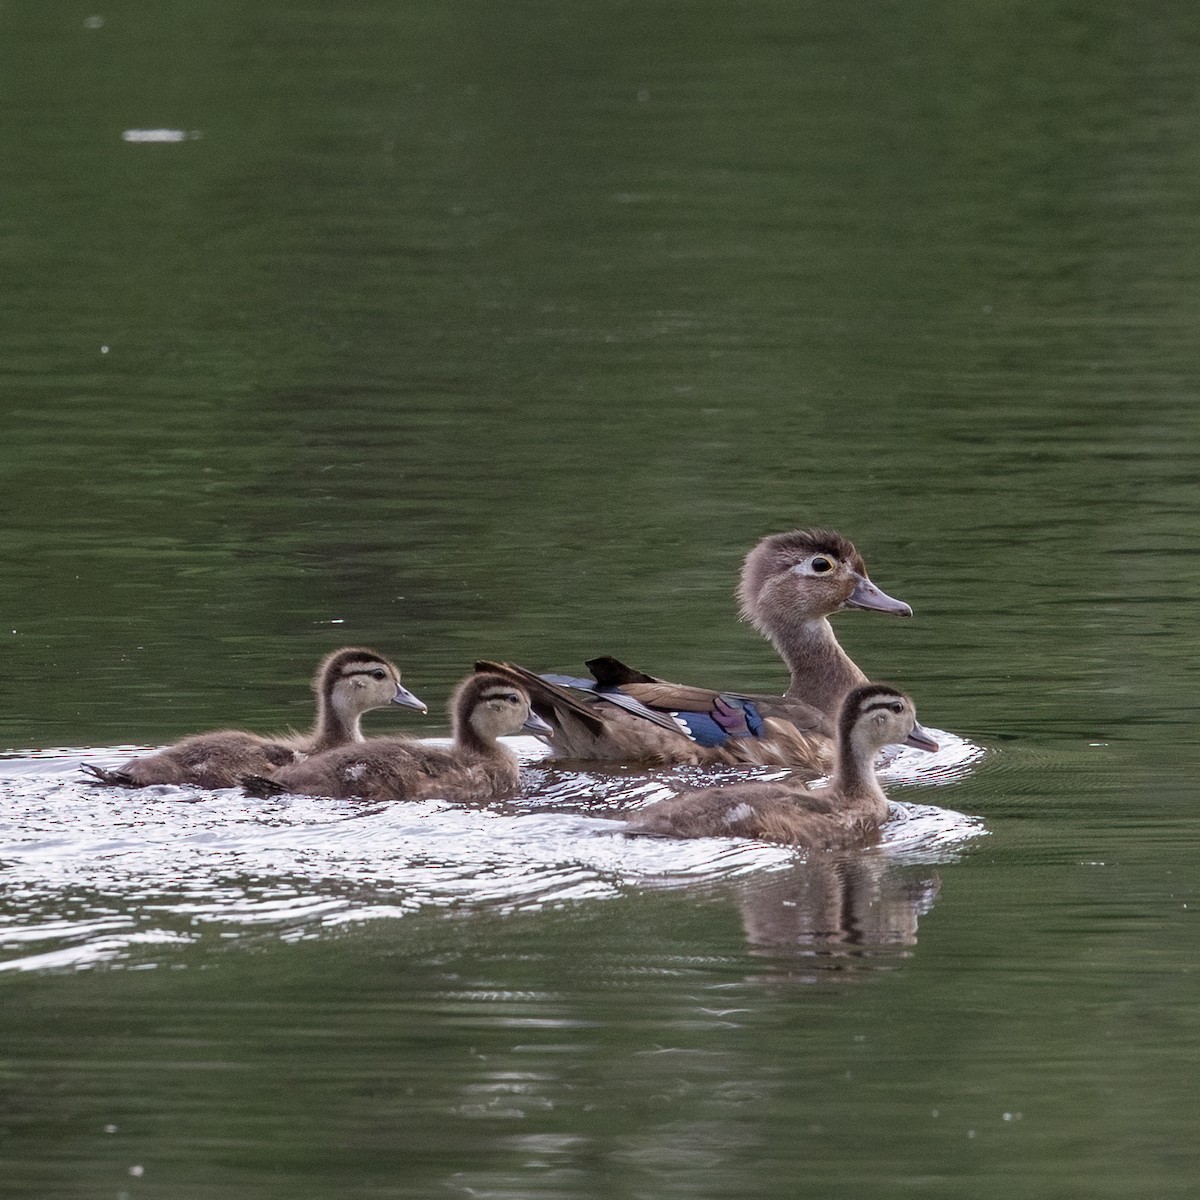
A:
x,y
850,812
348,683
484,707
790,585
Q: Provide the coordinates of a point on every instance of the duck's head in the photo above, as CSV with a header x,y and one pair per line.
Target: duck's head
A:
x,y
355,680
493,706
875,715
808,573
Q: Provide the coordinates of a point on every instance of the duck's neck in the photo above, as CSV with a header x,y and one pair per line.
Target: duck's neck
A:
x,y
822,672
854,776
335,725
468,740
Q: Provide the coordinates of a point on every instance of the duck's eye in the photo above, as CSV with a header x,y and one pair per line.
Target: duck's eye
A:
x,y
513,698
378,675
897,707
821,565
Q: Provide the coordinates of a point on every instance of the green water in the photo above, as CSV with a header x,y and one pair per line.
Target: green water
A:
x,y
474,329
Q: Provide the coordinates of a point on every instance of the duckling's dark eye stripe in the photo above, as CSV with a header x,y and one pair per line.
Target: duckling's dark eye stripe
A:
x,y
363,671
511,697
881,703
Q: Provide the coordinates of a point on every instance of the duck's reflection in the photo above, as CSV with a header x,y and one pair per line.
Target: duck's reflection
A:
x,y
840,913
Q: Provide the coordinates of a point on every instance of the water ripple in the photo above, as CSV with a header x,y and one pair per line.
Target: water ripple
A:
x,y
93,873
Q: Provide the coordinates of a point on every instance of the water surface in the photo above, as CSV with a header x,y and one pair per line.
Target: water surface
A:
x,y
465,330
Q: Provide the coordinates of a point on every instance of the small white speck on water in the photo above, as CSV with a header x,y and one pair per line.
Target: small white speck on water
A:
x,y
971,1133
159,135
103,349
110,1129
137,1171
93,22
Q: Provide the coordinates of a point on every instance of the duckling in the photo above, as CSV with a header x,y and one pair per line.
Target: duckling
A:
x,y
850,812
790,584
347,683
483,708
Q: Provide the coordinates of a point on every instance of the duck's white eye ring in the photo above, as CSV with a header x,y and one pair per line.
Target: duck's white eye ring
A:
x,y
821,565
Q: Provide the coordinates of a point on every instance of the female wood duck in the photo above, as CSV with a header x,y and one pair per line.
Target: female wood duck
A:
x,y
477,767
348,683
850,812
790,584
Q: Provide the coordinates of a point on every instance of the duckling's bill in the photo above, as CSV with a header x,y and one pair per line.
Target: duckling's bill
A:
x,y
404,697
921,739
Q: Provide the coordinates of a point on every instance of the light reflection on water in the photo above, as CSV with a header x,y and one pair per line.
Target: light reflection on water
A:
x,y
102,875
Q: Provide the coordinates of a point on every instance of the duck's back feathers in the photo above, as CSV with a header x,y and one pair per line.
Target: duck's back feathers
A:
x,y
395,768
779,812
588,722
662,695
206,760
625,714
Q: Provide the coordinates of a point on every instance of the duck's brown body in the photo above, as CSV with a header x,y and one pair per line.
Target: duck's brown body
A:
x,y
790,584
205,760
396,768
591,726
850,812
477,767
770,812
348,683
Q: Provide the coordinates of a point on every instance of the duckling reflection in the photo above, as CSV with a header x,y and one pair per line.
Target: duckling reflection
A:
x,y
847,911
790,584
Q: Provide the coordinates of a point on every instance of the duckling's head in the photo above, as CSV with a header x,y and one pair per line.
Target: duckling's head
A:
x,y
354,680
790,578
491,706
875,715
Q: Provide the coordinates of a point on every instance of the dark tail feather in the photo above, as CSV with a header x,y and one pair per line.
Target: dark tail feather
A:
x,y
105,776
261,786
612,672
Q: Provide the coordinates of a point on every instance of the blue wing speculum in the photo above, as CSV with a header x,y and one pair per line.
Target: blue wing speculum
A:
x,y
731,717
